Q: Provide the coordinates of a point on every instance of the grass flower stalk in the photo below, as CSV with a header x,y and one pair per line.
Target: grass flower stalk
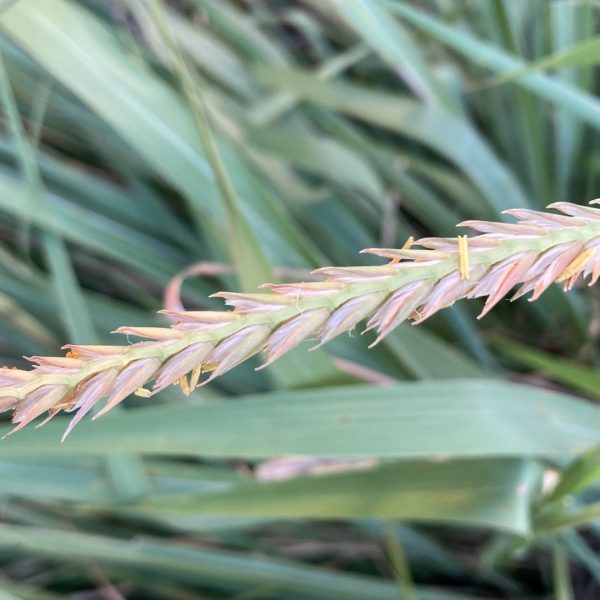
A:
x,y
418,280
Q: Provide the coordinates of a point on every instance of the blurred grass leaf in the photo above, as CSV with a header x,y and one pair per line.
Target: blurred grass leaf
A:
x,y
569,97
184,563
435,128
452,418
485,493
568,372
584,53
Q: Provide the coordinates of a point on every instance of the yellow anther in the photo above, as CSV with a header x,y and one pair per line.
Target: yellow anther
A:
x,y
463,257
575,265
409,242
416,316
184,385
143,392
195,377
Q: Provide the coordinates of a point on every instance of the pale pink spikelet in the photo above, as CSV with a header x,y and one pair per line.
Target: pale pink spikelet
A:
x,y
180,365
349,314
87,353
313,288
14,375
37,403
89,394
505,229
420,279
56,361
450,245
8,404
236,349
409,254
129,379
502,278
445,293
554,270
545,220
253,303
153,333
594,268
206,318
402,304
292,332
576,210
356,274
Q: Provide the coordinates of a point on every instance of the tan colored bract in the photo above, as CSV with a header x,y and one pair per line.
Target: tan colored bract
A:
x,y
421,278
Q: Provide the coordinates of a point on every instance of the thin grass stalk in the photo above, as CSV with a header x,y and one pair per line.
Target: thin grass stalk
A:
x,y
420,279
237,225
399,562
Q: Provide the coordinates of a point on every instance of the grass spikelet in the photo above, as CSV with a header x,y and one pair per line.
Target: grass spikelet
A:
x,y
420,279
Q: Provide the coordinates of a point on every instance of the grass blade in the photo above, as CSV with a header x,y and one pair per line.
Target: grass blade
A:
x,y
225,569
488,493
452,418
435,128
578,103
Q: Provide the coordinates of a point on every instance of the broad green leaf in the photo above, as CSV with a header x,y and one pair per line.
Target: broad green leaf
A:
x,y
444,418
208,51
88,481
71,302
485,493
427,356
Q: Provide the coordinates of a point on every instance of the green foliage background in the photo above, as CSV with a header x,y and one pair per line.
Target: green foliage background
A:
x,y
340,125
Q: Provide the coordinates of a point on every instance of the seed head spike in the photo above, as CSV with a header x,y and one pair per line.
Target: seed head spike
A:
x,y
422,277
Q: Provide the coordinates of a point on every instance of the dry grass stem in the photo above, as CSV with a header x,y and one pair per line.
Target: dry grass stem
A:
x,y
421,278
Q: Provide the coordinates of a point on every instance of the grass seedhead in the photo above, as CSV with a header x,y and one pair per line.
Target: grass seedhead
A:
x,y
420,279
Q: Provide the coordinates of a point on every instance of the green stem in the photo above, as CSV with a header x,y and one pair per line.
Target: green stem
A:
x,y
399,561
